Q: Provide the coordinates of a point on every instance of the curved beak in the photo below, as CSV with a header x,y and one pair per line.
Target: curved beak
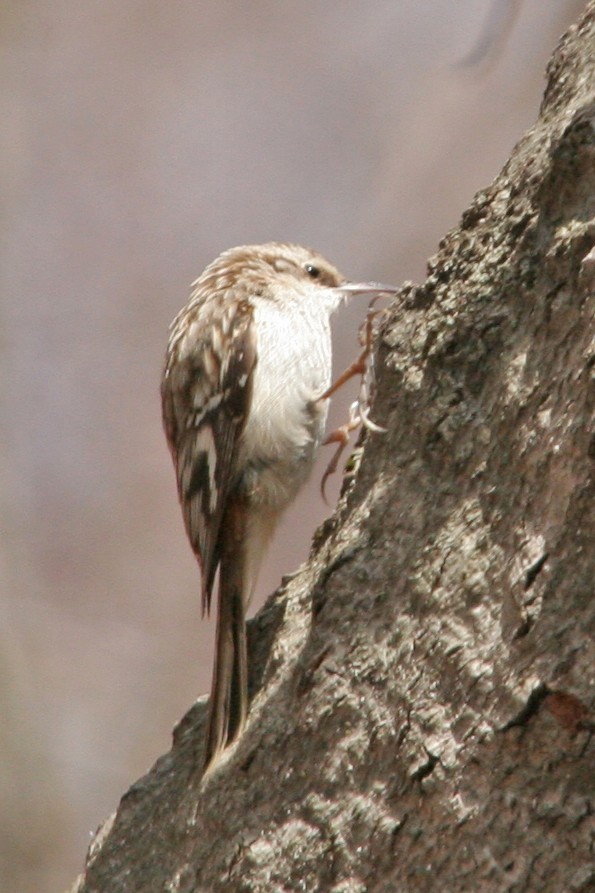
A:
x,y
372,289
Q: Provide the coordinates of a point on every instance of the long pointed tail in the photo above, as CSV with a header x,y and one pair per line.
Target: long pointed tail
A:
x,y
228,704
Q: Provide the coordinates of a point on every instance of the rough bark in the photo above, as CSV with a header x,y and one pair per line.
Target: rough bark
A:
x,y
422,688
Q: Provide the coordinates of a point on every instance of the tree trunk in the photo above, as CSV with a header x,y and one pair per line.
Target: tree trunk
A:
x,y
421,690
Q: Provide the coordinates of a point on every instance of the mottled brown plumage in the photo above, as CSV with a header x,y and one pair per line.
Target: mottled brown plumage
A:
x,y
247,365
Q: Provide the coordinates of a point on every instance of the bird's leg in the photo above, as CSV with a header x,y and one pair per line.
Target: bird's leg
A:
x,y
362,365
359,367
341,436
360,409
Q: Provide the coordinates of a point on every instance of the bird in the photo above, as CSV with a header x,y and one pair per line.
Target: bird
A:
x,y
245,390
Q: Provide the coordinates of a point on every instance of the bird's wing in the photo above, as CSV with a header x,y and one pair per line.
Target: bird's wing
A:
x,y
206,392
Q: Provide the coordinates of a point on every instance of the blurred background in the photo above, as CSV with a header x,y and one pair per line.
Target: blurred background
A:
x,y
140,139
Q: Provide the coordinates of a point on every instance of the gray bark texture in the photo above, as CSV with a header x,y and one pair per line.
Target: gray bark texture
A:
x,y
422,689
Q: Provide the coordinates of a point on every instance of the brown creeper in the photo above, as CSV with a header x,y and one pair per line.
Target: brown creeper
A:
x,y
244,393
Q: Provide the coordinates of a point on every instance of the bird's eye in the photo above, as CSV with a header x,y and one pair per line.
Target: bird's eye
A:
x,y
312,271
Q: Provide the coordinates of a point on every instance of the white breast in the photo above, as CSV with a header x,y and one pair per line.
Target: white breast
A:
x,y
286,424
